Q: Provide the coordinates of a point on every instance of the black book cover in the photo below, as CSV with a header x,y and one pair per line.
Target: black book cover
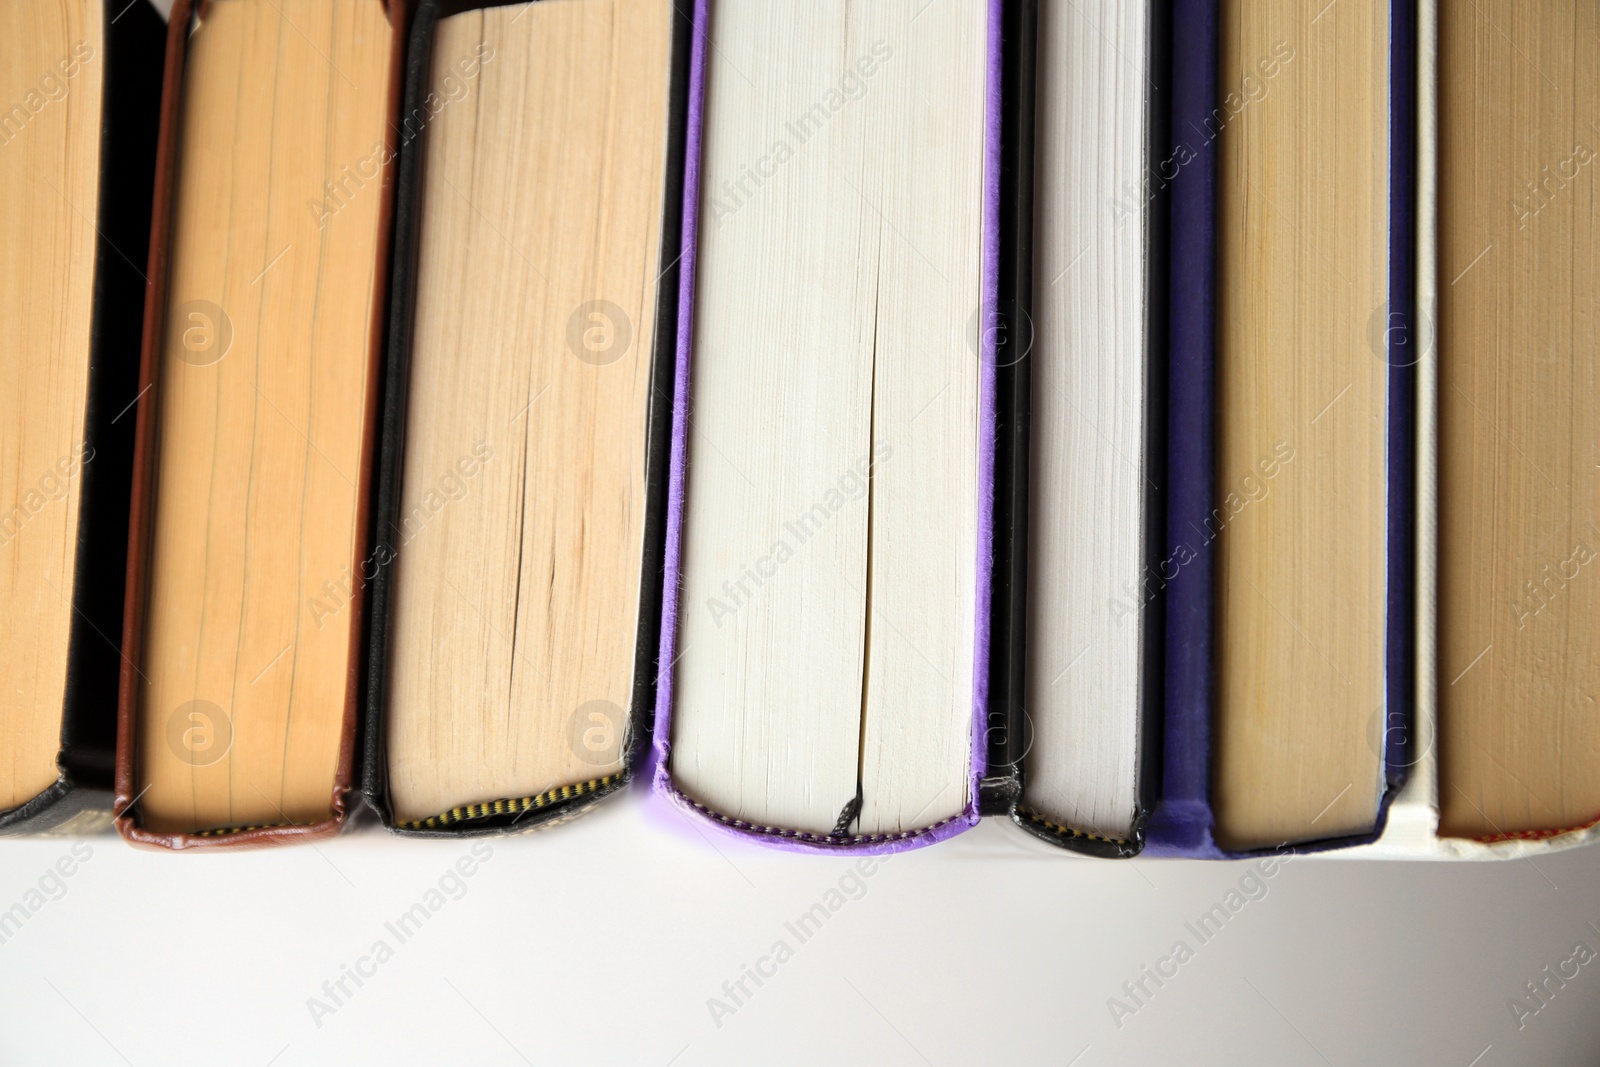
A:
x,y
80,799
499,818
1010,731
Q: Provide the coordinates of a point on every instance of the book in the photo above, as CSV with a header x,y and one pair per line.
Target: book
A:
x,y
1302,230
1166,427
1289,647
79,98
522,499
1478,126
1518,417
1093,371
823,664
268,274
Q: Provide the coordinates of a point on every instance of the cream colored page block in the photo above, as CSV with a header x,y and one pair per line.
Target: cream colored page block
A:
x,y
1519,416
1088,358
923,120
51,68
1303,240
260,415
838,272
519,550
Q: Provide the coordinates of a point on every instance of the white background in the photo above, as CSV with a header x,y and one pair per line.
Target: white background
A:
x,y
606,939
603,940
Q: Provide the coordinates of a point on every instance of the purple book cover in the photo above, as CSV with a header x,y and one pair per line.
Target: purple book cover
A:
x,y
1181,824
778,837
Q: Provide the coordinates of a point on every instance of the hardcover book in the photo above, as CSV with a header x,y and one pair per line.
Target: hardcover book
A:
x,y
522,493
825,640
1481,744
1075,692
1170,428
79,100
1060,392
1502,744
1291,510
263,327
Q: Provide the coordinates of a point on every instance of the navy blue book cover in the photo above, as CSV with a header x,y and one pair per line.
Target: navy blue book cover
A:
x,y
1181,823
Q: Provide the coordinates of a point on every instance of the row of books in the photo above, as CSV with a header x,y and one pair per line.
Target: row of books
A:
x,y
1168,427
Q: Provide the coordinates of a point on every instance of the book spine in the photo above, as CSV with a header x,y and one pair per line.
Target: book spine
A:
x,y
1181,822
1403,336
1007,718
